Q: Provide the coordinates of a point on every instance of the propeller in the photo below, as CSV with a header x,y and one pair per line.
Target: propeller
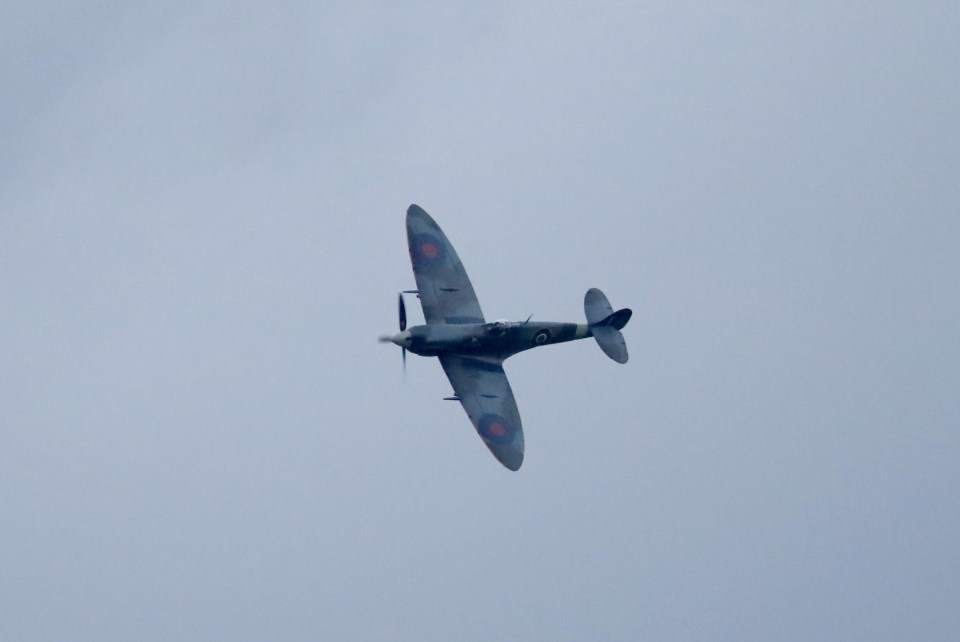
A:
x,y
402,311
402,314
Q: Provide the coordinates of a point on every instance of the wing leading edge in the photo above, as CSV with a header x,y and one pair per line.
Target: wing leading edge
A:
x,y
485,394
442,282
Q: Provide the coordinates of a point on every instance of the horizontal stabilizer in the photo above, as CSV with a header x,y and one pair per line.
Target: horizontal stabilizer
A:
x,y
611,342
596,306
605,324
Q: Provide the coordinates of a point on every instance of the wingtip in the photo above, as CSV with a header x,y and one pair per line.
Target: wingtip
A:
x,y
419,218
511,457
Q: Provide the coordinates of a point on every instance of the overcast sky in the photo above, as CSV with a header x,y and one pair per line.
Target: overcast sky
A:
x,y
202,235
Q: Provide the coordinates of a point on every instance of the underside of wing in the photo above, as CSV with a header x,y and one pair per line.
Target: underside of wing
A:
x,y
442,283
484,392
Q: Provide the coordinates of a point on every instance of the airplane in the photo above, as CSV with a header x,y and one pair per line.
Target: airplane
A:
x,y
471,350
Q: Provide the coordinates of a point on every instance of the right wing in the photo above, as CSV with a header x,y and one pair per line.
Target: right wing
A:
x,y
485,394
444,288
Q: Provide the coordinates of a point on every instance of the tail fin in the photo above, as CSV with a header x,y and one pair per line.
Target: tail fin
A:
x,y
605,324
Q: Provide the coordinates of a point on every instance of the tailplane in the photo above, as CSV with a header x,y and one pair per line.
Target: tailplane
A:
x,y
605,324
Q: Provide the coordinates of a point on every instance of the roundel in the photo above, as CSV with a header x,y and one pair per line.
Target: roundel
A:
x,y
541,337
495,429
426,250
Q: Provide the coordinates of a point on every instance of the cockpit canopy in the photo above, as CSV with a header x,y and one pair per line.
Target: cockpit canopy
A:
x,y
498,327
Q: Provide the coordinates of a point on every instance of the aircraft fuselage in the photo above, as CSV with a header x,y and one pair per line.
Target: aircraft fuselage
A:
x,y
498,339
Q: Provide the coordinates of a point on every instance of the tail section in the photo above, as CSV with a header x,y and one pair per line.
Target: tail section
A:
x,y
605,324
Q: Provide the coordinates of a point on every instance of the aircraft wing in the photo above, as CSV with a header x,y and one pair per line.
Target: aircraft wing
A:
x,y
444,288
485,394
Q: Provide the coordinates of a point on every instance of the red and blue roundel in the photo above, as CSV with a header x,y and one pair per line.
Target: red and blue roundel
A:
x,y
427,251
496,429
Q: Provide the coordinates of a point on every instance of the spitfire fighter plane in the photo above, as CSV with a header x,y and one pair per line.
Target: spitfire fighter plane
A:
x,y
471,350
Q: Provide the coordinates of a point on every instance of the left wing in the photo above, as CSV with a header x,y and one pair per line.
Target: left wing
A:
x,y
442,283
485,394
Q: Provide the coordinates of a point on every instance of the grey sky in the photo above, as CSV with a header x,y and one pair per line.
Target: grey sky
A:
x,y
201,236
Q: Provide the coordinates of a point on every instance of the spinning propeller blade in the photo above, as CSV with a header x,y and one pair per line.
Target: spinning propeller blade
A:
x,y
402,313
